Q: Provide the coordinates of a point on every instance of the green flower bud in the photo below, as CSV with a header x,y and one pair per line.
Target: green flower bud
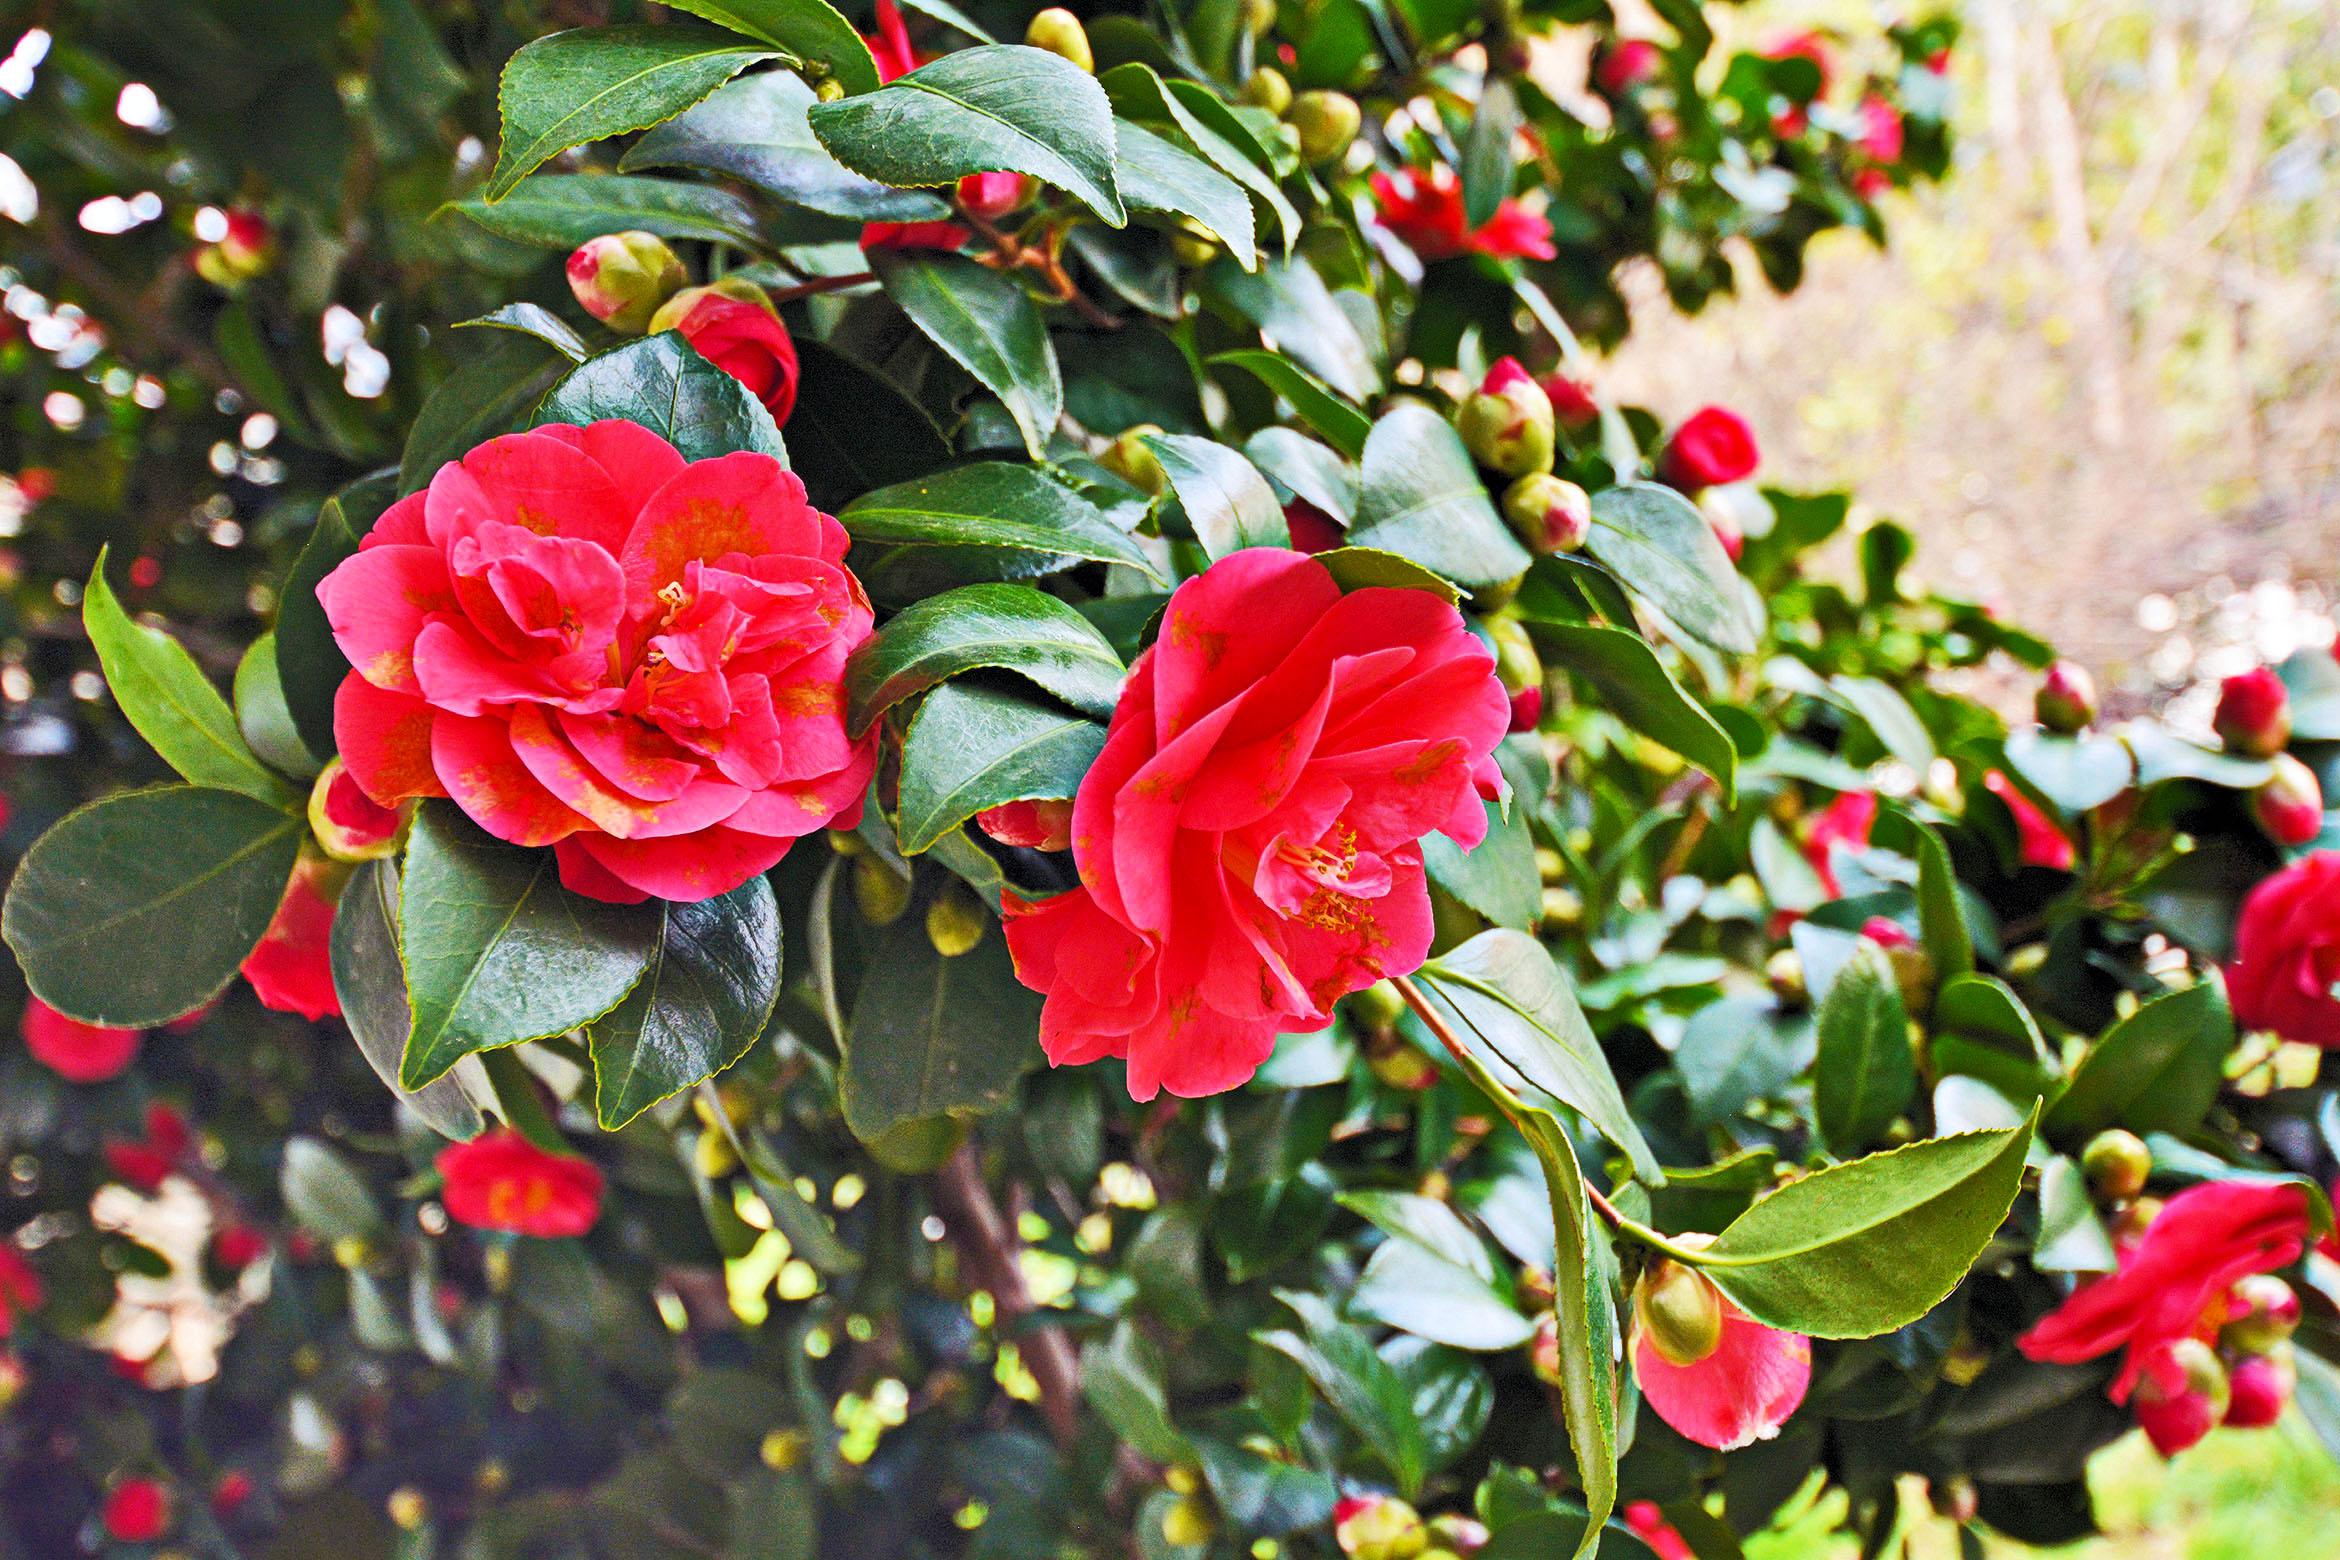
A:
x,y
1377,1008
1785,971
1379,1527
1187,1522
348,824
676,309
1507,424
1258,17
2117,1163
955,921
1268,89
623,278
828,89
1327,122
2066,700
1130,459
882,893
1680,1310
1517,665
1548,514
2262,1311
1060,32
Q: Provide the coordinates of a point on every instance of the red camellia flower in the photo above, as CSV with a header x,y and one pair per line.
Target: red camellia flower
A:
x,y
2287,953
591,644
145,1162
1714,446
1881,131
137,1511
1249,839
238,1246
1039,825
1573,404
986,195
291,967
228,1496
20,1288
2042,844
75,1051
741,336
1710,1370
501,1181
1425,208
1649,1524
1625,64
1845,822
2171,1284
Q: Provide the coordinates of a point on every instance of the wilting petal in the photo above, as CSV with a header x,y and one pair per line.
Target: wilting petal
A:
x,y
1738,1395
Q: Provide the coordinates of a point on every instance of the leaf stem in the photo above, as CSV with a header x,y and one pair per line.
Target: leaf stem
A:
x,y
823,284
1435,1022
522,1106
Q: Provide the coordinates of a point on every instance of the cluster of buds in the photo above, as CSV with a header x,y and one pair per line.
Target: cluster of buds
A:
x,y
2243,1380
1319,124
1383,1527
2254,721
1510,426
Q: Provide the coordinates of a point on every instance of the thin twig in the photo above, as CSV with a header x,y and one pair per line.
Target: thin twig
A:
x,y
988,1247
823,284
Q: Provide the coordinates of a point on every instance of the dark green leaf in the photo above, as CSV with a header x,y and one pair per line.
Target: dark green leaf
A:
x,y
997,107
992,505
696,1010
1261,1494
534,319
1369,568
991,328
2157,1070
1421,498
497,951
854,430
1340,1361
138,907
324,1195
1737,1051
971,746
1312,471
932,1036
1298,315
663,383
1635,686
490,394
756,130
1138,93
1662,548
264,718
1342,425
172,704
563,210
1497,877
1226,500
369,981
1888,716
1948,940
591,83
308,661
1865,1074
2162,755
810,29
1859,1249
2071,1237
1157,174
1008,626
1414,1289
1122,1377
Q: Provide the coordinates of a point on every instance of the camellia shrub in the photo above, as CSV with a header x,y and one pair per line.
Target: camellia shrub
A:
x,y
1012,823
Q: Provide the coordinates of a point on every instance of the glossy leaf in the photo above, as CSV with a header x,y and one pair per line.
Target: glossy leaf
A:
x,y
2072,1238
1342,425
534,319
1226,500
2158,1070
988,109
563,210
166,697
1859,1249
592,83
1414,1289
138,907
1635,687
992,505
1362,1388
1738,1050
810,29
1421,498
1942,927
1011,627
1889,718
1486,160
324,1195
492,393
2074,773
498,952
1157,174
991,328
1138,93
369,981
972,746
933,1037
1664,550
756,130
1865,1074
664,384
263,716
854,430
1496,877
697,1009
1298,315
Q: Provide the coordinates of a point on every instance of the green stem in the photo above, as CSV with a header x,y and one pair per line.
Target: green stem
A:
x,y
522,1106
1513,1107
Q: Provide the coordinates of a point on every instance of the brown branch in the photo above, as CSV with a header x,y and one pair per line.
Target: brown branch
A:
x,y
823,284
988,1248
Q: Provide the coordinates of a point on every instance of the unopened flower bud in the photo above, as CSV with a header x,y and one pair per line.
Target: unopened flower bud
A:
x,y
245,250
2254,713
1517,665
676,309
1536,1290
1060,32
1258,17
1544,1352
2262,1311
348,824
1396,1063
2289,807
2066,700
882,893
1459,1534
1957,1499
622,279
2117,1162
1785,972
955,921
1378,1527
1377,1008
1680,1310
828,89
1035,825
1186,1521
992,196
1327,122
1507,424
2183,1394
1527,709
2134,1221
1548,514
1268,88
1134,462
1573,404
2259,1388
1563,908
712,1154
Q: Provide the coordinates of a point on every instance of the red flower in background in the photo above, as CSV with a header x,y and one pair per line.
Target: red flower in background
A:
x,y
2287,953
75,1051
1881,130
593,644
145,1162
20,1288
1425,208
1846,821
1313,531
2171,1283
1248,840
1649,1524
2041,843
1573,403
236,1246
1625,64
501,1181
291,967
742,337
137,1511
1712,447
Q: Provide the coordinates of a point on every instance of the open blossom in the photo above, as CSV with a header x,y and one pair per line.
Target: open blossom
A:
x,y
2172,1282
75,1051
591,644
2287,953
1425,208
1709,1369
2039,841
1249,839
1881,130
501,1181
145,1162
291,968
1844,822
